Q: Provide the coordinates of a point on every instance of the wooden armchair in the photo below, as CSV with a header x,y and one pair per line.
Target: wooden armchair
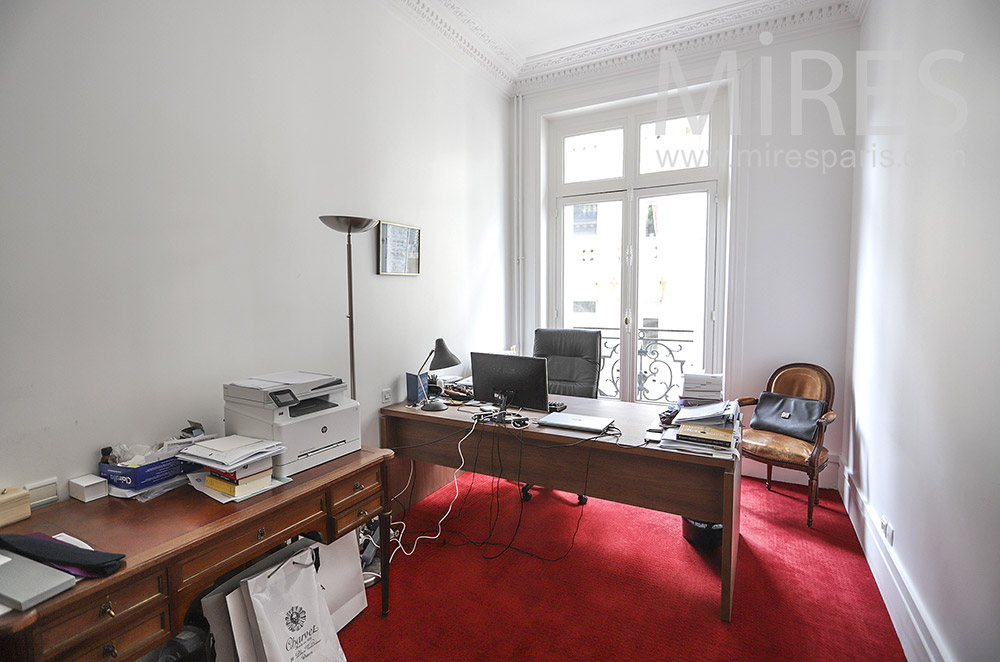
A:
x,y
804,380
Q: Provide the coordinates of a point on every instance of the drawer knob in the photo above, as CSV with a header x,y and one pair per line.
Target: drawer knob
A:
x,y
358,487
107,609
110,650
362,512
261,534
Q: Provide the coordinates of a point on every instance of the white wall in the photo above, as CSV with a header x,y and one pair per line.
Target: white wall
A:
x,y
790,227
162,168
925,322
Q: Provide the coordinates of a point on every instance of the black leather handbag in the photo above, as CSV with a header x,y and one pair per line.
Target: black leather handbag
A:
x,y
788,415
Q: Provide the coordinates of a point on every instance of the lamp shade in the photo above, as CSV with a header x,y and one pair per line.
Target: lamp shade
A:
x,y
443,358
349,224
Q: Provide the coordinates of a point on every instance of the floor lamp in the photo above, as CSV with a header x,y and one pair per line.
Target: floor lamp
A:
x,y
350,225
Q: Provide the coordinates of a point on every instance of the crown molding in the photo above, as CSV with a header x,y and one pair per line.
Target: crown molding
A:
x,y
449,21
731,27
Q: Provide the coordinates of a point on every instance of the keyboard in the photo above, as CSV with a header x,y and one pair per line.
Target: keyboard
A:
x,y
556,406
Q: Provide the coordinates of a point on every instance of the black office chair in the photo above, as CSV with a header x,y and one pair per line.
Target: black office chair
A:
x,y
573,359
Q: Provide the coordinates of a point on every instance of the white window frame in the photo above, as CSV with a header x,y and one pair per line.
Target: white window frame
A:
x,y
629,188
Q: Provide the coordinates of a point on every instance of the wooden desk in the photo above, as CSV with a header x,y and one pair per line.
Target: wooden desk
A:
x,y
176,546
701,488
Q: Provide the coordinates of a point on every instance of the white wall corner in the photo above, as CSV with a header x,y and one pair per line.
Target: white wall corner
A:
x,y
917,634
447,22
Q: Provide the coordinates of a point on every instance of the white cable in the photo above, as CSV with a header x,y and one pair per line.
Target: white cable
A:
x,y
408,479
399,540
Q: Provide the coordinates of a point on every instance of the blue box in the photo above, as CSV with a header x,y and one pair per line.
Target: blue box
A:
x,y
416,391
136,478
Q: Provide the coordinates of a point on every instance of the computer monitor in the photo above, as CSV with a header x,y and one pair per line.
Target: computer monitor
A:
x,y
510,381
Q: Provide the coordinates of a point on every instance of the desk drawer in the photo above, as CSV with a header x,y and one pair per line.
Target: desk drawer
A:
x,y
358,486
254,538
104,611
124,642
357,514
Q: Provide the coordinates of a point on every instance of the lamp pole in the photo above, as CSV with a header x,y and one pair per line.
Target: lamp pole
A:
x,y
349,225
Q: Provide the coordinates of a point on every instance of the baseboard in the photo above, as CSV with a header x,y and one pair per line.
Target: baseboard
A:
x,y
916,632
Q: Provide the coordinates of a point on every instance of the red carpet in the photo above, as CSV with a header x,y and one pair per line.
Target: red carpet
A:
x,y
631,588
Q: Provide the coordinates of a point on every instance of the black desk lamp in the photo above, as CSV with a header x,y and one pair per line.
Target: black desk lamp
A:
x,y
443,358
350,224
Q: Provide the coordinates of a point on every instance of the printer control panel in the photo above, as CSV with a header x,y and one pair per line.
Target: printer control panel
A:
x,y
284,398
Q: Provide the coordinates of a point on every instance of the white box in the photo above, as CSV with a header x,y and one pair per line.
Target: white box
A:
x,y
88,488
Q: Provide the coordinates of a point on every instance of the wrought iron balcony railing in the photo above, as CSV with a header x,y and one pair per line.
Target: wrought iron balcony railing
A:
x,y
661,354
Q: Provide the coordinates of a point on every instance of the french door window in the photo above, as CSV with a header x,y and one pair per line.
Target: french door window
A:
x,y
637,245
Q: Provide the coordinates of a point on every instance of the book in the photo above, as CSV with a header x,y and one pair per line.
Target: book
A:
x,y
246,479
241,490
245,470
714,436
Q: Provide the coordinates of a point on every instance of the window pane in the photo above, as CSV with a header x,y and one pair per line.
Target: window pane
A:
x,y
674,144
592,268
592,265
671,292
590,156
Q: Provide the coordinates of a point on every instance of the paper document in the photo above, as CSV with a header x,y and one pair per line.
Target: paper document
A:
x,y
228,452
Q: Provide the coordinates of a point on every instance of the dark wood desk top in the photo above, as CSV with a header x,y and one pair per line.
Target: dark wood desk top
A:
x,y
632,418
168,525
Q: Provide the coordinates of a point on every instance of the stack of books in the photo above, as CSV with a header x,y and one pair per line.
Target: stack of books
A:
x,y
245,479
706,429
700,389
236,466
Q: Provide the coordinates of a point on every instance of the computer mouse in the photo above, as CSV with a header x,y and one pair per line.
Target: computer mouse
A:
x,y
487,408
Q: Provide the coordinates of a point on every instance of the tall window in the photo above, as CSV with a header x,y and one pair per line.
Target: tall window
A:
x,y
637,242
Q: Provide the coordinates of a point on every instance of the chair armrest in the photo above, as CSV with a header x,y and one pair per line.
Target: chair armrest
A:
x,y
746,401
827,418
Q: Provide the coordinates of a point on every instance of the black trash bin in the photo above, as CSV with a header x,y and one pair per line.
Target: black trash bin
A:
x,y
702,534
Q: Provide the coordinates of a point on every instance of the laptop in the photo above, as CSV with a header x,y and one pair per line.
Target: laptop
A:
x,y
577,422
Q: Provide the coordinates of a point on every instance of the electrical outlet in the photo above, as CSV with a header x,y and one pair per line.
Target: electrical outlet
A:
x,y
386,396
43,492
887,531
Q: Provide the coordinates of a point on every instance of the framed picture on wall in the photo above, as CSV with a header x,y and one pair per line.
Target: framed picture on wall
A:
x,y
398,249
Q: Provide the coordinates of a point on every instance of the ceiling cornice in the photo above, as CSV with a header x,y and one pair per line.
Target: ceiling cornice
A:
x,y
730,27
449,21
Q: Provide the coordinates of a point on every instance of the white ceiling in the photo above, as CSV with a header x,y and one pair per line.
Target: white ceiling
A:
x,y
535,27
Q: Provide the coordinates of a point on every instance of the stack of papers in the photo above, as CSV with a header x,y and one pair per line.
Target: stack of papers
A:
x,y
700,389
229,453
670,441
243,463
717,414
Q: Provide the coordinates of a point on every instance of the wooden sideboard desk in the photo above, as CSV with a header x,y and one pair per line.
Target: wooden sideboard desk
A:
x,y
176,546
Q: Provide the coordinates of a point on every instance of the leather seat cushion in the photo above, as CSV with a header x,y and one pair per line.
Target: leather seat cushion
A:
x,y
780,448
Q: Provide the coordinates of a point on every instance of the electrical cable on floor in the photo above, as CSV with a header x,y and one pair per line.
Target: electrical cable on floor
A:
x,y
399,540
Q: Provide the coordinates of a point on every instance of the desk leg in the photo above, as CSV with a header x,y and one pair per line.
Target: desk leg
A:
x,y
383,526
730,537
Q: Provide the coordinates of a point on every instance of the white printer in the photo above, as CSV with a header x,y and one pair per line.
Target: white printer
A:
x,y
309,413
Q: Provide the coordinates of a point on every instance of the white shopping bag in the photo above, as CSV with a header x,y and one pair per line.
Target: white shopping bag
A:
x,y
288,616
340,581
